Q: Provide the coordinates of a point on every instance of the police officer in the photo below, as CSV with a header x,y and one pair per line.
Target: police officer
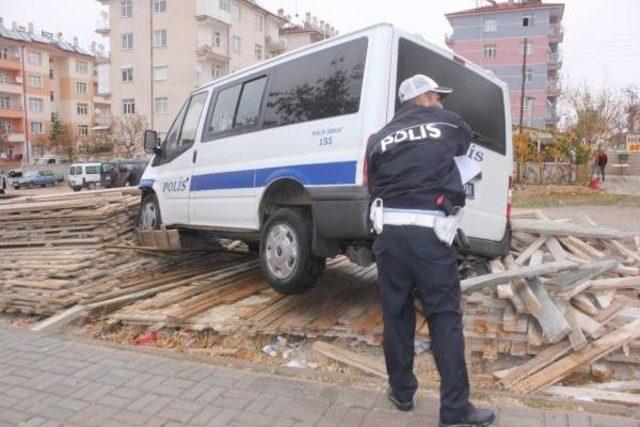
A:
x,y
410,164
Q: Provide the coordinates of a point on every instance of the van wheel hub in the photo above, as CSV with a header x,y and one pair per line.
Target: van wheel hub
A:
x,y
281,251
148,216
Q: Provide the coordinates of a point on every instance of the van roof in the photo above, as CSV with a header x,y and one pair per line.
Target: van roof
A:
x,y
314,46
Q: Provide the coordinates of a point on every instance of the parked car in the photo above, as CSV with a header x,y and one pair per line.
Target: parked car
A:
x,y
34,179
84,175
121,173
276,151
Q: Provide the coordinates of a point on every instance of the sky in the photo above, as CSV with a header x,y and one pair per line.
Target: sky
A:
x,y
601,44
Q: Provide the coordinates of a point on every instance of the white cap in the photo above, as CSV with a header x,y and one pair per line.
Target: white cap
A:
x,y
419,84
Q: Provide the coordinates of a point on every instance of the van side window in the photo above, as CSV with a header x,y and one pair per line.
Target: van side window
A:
x,y
224,110
250,102
238,106
191,120
319,85
171,140
92,169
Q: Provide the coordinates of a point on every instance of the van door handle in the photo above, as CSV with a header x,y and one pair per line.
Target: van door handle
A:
x,y
195,155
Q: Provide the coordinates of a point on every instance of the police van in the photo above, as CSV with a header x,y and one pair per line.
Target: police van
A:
x,y
275,153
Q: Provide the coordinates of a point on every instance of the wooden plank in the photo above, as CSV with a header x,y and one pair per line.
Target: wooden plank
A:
x,y
563,229
493,279
358,361
614,284
542,359
551,320
633,385
625,251
576,337
584,393
589,326
526,254
585,304
557,251
559,370
60,319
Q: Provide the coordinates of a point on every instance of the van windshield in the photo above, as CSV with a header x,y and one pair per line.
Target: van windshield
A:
x,y
476,99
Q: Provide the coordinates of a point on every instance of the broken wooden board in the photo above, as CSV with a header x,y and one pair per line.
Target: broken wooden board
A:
x,y
559,370
596,395
565,229
358,361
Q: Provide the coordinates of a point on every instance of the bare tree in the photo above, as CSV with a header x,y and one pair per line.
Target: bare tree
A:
x,y
594,114
127,132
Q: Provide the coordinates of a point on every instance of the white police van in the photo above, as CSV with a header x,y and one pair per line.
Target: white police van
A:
x,y
275,153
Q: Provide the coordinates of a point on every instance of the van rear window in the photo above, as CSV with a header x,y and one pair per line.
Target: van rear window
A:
x,y
477,100
319,85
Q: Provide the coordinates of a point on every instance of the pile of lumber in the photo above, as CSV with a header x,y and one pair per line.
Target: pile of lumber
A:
x,y
88,219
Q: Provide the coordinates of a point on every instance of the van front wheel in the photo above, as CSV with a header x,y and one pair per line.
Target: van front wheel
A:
x,y
285,252
149,218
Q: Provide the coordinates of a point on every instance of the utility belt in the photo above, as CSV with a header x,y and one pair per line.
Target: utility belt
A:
x,y
444,227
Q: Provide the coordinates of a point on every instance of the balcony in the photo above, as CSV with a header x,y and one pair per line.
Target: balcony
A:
x,y
553,87
10,63
12,87
209,9
556,33
275,44
102,26
554,60
551,117
101,119
11,112
15,137
206,51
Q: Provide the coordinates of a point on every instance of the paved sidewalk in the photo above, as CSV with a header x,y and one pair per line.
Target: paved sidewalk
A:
x,y
50,380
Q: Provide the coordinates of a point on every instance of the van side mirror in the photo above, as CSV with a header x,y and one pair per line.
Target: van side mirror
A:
x,y
151,142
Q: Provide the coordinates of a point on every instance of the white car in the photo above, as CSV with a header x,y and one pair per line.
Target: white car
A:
x,y
276,152
84,175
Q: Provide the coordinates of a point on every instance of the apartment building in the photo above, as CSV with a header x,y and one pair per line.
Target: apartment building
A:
x,y
493,37
162,49
310,31
42,75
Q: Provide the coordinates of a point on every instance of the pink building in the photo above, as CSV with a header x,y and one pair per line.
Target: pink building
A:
x,y
494,38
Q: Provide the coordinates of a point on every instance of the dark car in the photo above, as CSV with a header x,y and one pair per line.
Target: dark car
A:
x,y
34,179
121,173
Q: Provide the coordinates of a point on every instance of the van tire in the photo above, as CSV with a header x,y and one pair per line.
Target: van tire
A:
x,y
149,206
297,228
76,188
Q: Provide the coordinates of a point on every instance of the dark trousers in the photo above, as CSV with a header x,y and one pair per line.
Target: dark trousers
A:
x,y
600,171
411,257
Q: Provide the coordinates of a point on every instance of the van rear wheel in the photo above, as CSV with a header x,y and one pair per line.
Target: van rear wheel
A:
x,y
285,252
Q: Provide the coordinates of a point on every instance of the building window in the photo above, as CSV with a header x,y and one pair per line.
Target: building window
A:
x,y
224,5
34,58
127,41
51,97
258,51
490,25
37,128
216,71
82,109
160,6
127,8
490,51
528,75
529,48
258,24
127,75
236,44
36,104
527,21
35,81
128,106
161,105
83,130
81,87
160,38
160,72
82,67
4,53
50,73
6,126
217,38
236,14
5,102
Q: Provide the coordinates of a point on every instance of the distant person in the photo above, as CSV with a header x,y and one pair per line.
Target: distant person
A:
x,y
601,163
3,183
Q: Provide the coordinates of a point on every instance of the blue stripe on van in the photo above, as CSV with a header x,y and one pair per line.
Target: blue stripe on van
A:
x,y
311,174
146,183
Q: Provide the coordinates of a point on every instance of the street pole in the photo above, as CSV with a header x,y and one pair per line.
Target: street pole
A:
x,y
524,72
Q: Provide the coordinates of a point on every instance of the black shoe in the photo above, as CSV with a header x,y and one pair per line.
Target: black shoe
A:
x,y
403,406
475,417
